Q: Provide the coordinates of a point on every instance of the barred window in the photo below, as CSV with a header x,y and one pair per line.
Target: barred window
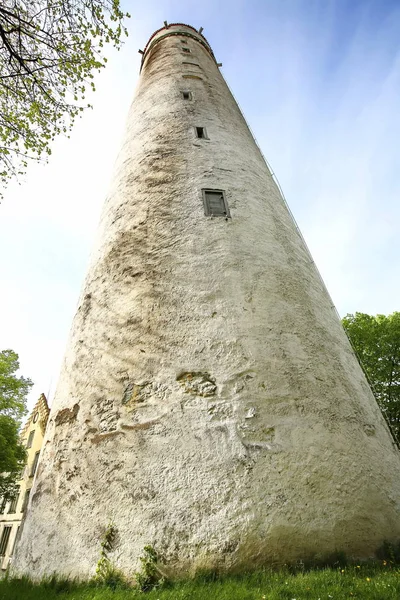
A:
x,y
13,503
3,505
215,204
5,536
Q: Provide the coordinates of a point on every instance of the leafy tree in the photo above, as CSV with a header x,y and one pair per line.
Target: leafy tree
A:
x,y
13,391
49,50
376,341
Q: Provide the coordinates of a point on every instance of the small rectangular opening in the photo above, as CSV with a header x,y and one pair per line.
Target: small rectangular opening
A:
x,y
186,95
187,50
201,133
192,64
215,204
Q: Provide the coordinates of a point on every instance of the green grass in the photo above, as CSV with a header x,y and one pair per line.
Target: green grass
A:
x,y
374,582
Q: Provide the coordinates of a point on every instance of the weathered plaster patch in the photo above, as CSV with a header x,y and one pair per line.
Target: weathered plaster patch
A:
x,y
136,393
67,415
199,384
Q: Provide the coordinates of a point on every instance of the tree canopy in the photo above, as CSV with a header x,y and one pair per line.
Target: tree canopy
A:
x,y
376,340
49,50
13,391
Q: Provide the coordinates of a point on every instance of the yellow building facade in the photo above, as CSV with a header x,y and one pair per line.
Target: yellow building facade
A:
x,y
12,512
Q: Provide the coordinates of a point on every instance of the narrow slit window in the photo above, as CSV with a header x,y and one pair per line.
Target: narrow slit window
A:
x,y
187,95
215,204
187,50
201,133
191,64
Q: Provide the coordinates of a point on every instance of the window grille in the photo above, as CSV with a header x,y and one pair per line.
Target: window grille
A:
x,y
215,204
3,505
13,504
5,536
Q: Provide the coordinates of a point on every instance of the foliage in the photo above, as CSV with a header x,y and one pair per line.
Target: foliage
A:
x,y
376,341
389,552
362,582
106,573
13,391
49,50
150,576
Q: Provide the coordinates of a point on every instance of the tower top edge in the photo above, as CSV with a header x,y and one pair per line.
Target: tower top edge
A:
x,y
176,29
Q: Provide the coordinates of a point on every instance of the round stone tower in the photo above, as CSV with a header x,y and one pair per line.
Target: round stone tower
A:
x,y
210,404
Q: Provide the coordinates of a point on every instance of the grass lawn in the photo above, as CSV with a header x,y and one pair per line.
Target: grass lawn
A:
x,y
364,583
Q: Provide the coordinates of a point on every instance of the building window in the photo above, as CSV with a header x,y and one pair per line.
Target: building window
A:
x,y
26,500
186,95
3,505
13,503
15,542
35,417
191,64
30,439
192,77
215,204
201,133
22,472
34,464
5,536
187,50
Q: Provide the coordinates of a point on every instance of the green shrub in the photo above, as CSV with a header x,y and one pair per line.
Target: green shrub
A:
x,y
150,576
106,573
389,552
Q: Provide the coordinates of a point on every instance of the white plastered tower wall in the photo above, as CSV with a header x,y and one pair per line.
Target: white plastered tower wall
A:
x,y
209,404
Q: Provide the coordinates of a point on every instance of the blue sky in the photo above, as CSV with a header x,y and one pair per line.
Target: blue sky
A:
x,y
319,84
